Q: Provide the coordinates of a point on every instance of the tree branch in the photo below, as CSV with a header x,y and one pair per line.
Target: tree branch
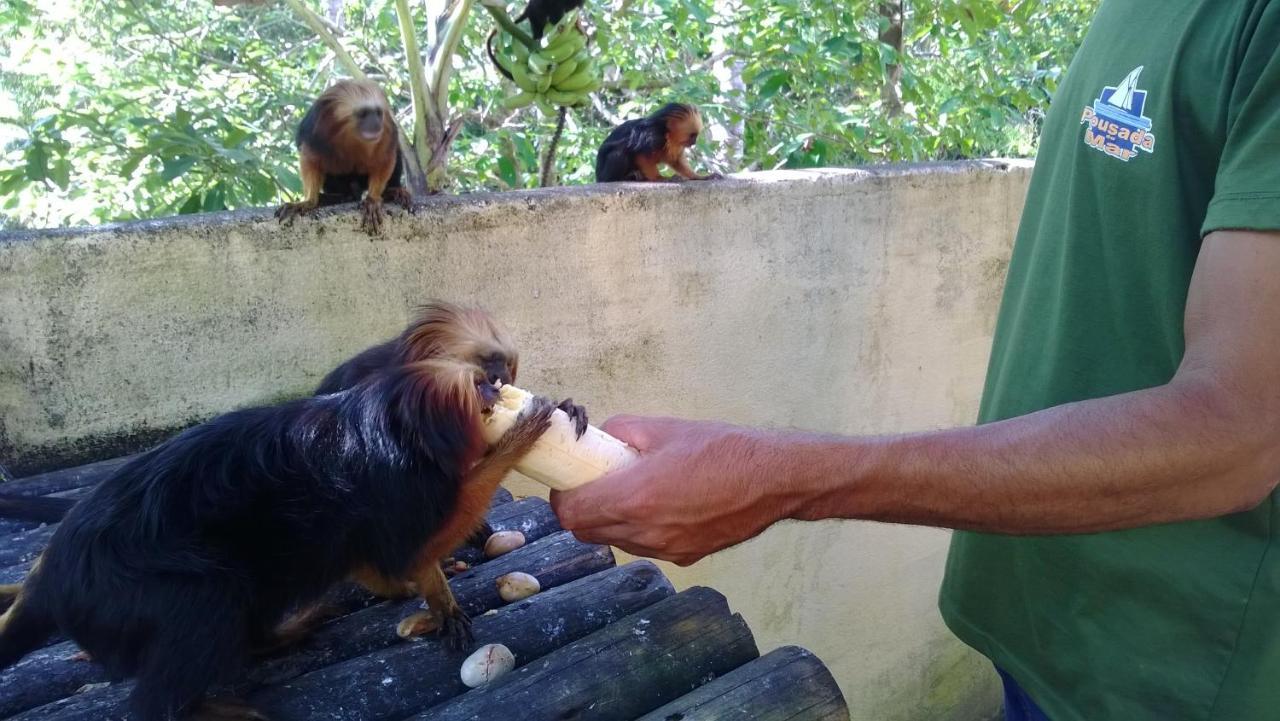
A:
x,y
510,26
321,29
442,62
417,82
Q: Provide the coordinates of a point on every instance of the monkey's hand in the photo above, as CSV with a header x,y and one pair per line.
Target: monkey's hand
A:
x,y
287,212
577,414
532,422
372,215
400,196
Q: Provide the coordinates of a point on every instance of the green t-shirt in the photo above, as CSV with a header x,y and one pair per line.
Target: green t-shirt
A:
x,y
1166,127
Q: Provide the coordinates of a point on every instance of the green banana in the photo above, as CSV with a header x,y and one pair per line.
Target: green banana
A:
x,y
566,49
544,83
539,64
562,98
523,80
547,108
562,71
520,51
561,36
581,78
519,100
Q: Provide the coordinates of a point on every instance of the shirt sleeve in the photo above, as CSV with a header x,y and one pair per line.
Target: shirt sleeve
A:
x,y
1247,187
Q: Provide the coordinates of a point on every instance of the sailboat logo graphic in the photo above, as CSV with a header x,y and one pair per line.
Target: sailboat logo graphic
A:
x,y
1117,125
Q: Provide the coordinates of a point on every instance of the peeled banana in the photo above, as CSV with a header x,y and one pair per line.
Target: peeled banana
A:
x,y
558,73
558,459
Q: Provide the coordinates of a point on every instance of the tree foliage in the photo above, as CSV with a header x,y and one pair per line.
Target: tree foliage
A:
x,y
121,109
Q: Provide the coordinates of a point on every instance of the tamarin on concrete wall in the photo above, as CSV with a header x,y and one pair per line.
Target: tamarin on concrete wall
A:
x,y
850,301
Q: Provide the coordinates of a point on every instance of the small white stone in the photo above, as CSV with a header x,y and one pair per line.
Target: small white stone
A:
x,y
486,664
517,586
503,542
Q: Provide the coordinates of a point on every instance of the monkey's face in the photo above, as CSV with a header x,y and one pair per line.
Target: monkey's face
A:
x,y
368,120
498,368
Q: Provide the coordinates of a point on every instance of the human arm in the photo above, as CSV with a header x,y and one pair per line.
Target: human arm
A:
x,y
1205,444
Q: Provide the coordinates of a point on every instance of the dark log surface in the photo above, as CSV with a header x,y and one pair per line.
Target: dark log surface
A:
x,y
620,672
407,678
788,684
51,674
598,643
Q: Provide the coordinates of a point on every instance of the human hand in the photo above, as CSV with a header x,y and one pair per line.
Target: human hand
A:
x,y
698,487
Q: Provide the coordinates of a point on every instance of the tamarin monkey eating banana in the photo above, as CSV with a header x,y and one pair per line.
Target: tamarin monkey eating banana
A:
x,y
187,557
540,14
440,331
447,331
349,147
635,149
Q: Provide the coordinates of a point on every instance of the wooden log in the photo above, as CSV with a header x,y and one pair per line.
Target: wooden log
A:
x,y
10,526
44,676
404,679
23,547
15,573
64,479
531,516
620,672
555,560
788,684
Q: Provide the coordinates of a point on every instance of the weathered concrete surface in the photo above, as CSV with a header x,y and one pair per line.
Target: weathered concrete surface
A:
x,y
848,301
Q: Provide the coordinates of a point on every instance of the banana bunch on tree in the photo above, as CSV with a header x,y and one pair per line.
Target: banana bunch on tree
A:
x,y
560,72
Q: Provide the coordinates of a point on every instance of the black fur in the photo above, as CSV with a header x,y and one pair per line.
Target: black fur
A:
x,y
541,13
181,561
44,509
351,187
361,366
615,161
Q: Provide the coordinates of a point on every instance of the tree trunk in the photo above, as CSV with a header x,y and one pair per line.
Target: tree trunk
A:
x,y
890,92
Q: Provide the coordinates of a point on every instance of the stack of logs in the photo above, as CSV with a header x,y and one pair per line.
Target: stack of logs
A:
x,y
600,642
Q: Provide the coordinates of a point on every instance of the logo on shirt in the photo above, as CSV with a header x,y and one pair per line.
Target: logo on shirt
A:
x,y
1117,126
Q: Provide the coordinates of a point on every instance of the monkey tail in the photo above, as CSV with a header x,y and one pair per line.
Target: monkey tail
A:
x,y
549,159
35,508
23,628
488,45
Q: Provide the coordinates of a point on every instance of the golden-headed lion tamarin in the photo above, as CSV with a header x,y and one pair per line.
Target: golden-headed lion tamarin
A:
x,y
635,149
349,147
187,557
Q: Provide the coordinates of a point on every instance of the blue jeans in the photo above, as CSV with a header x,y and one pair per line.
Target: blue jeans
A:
x,y
1018,706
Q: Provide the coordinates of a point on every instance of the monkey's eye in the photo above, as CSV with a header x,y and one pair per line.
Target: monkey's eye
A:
x,y
693,139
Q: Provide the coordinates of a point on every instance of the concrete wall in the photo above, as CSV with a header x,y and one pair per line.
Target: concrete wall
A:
x,y
853,301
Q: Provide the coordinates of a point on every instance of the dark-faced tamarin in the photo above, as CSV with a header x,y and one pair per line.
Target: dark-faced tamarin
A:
x,y
447,331
349,147
187,557
635,149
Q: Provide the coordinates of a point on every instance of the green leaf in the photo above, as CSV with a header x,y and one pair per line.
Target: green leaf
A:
x,y
774,82
60,173
37,162
193,205
176,167
507,171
